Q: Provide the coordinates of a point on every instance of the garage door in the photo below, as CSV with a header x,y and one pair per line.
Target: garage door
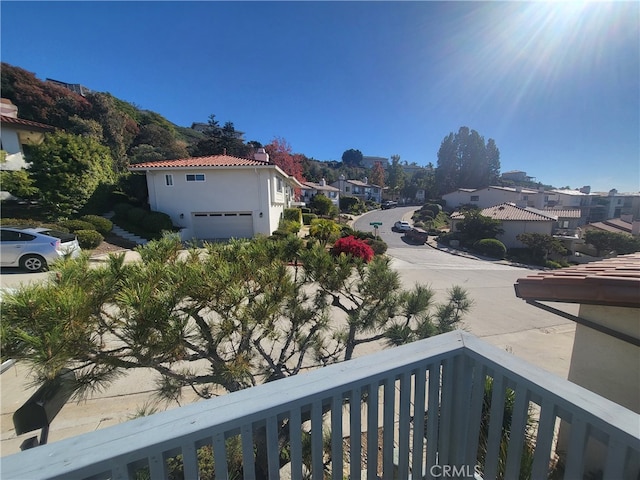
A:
x,y
215,225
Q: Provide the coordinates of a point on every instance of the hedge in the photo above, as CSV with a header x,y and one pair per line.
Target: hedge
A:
x,y
75,225
89,239
121,209
156,222
101,224
490,247
136,215
308,217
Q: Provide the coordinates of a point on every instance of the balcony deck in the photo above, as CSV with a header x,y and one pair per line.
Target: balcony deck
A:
x,y
427,398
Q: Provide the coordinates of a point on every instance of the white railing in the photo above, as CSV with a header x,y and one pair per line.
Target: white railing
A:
x,y
417,411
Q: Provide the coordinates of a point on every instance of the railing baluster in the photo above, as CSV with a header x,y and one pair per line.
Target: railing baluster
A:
x,y
404,425
388,426
446,412
417,457
544,439
337,444
295,433
157,468
433,419
248,460
518,432
273,448
190,460
355,435
220,455
317,446
475,416
616,460
494,436
575,451
372,431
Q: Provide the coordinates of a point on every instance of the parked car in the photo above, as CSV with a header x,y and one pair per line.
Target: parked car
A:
x,y
389,204
401,226
417,235
35,248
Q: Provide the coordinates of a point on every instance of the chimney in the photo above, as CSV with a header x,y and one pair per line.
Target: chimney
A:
x,y
261,155
8,109
635,228
586,189
323,183
365,180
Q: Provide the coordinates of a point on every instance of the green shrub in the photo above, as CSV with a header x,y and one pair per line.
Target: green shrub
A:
x,y
289,227
101,224
490,247
136,215
349,204
292,214
446,237
307,218
305,210
156,222
89,239
432,208
75,225
552,264
121,209
379,246
119,197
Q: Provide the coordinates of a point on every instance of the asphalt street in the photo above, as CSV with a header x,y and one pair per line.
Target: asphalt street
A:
x,y
497,316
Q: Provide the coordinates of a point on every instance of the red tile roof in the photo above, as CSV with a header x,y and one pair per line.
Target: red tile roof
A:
x,y
507,212
25,123
611,282
210,161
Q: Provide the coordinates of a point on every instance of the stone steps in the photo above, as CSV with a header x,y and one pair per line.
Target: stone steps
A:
x,y
121,232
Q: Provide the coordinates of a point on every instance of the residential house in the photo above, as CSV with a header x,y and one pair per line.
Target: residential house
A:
x,y
370,162
567,220
606,346
16,135
571,199
516,176
625,225
219,196
490,196
311,189
514,220
605,206
360,189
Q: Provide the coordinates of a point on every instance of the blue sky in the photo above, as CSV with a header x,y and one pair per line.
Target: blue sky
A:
x,y
556,85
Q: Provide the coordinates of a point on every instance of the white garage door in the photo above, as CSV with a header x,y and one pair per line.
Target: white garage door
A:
x,y
215,225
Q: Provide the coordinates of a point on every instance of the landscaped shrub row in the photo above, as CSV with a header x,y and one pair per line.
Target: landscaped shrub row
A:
x,y
490,247
142,221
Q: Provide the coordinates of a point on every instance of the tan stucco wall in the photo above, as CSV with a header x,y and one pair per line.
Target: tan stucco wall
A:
x,y
604,364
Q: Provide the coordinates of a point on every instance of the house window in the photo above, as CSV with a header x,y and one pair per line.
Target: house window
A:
x,y
564,224
475,198
279,184
195,177
525,197
168,180
347,189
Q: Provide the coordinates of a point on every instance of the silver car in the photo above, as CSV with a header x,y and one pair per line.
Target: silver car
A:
x,y
35,248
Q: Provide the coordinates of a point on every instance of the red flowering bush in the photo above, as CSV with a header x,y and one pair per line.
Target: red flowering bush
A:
x,y
352,246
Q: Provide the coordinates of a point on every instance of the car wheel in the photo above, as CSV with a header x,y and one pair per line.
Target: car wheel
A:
x,y
33,263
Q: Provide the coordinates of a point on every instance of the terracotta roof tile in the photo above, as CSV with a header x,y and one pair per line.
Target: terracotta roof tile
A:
x,y
210,161
563,212
613,282
507,212
26,123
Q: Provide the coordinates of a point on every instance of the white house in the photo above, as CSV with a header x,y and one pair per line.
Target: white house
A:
x,y
515,220
361,189
15,133
311,189
220,196
490,196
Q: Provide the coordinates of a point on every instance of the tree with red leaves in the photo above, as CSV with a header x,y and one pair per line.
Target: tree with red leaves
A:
x,y
352,246
280,154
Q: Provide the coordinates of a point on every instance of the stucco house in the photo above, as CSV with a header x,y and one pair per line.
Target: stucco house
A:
x,y
311,189
361,189
17,133
490,196
219,196
515,220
